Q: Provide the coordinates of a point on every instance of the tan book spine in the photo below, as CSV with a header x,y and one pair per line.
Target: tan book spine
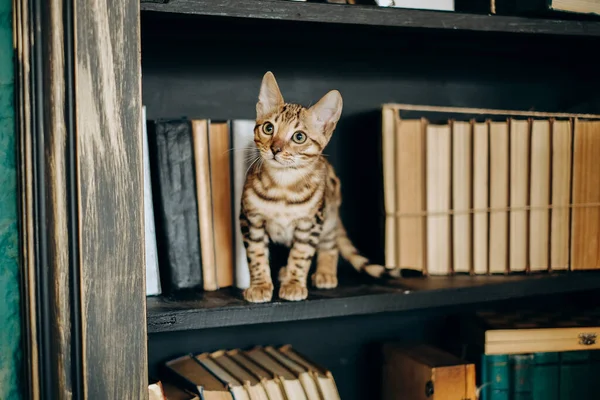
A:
x,y
585,223
200,130
220,172
562,142
389,184
462,196
410,197
519,194
539,216
498,261
438,199
480,196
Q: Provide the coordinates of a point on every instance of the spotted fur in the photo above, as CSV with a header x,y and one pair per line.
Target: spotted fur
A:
x,y
292,197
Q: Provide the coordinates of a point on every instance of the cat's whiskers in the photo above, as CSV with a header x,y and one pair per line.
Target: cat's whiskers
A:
x,y
250,166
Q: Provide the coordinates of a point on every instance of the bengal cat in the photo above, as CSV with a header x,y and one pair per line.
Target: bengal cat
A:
x,y
292,197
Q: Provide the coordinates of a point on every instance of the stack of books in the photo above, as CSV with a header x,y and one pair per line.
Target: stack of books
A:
x,y
489,191
260,373
194,174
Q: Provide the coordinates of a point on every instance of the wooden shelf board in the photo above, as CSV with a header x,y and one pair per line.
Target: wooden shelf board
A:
x,y
226,307
373,15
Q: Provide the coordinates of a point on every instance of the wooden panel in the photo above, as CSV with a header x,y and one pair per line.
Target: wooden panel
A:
x,y
25,166
109,147
56,207
289,10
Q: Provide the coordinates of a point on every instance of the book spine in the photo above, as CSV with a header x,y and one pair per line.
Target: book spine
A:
x,y
521,367
499,159
480,197
496,382
170,144
390,184
575,375
243,155
152,274
545,376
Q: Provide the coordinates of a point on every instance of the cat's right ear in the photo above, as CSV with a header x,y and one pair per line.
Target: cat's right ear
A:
x,y
269,98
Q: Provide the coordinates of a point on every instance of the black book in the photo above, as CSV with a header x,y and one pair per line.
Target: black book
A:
x,y
175,203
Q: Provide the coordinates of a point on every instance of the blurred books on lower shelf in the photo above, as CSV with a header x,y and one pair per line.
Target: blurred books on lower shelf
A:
x,y
261,373
534,354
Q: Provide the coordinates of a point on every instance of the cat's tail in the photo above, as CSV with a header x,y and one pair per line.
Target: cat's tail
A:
x,y
359,262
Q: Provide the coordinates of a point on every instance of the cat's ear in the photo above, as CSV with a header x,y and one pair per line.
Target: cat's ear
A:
x,y
325,114
269,97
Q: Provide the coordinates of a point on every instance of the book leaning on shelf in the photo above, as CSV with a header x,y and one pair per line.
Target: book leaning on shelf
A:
x,y
481,191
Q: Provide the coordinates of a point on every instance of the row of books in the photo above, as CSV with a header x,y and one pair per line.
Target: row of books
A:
x,y
500,7
260,373
486,191
535,354
194,174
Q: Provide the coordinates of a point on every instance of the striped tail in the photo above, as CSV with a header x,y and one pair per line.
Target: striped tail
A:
x,y
359,262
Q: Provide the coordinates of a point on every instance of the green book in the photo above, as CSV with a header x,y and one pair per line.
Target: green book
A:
x,y
595,372
521,367
545,376
575,377
495,377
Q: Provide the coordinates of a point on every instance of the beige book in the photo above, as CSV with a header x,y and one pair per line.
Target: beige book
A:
x,y
438,199
562,141
498,258
462,196
292,386
220,173
302,373
200,135
539,216
252,384
480,196
519,194
237,389
199,377
270,382
173,392
389,182
410,195
155,390
585,223
322,376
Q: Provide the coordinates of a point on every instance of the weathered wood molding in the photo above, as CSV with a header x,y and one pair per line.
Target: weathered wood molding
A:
x,y
81,216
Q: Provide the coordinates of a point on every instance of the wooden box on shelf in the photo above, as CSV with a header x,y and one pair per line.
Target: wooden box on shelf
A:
x,y
423,372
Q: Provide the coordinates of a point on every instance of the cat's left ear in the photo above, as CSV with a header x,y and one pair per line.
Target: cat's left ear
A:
x,y
269,98
326,113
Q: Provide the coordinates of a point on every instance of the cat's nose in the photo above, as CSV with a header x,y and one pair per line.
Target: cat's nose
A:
x,y
275,148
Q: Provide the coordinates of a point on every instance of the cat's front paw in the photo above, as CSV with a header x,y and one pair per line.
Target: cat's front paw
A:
x,y
259,293
323,280
293,292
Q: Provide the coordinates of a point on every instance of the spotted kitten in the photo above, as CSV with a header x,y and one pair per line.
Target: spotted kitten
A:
x,y
292,197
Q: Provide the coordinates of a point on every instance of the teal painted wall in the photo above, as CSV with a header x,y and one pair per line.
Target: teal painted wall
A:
x,y
10,335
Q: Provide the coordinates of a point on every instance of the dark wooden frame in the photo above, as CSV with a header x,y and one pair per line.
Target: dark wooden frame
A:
x,y
79,119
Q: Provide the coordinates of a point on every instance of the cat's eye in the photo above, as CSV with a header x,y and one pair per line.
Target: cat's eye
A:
x,y
299,137
268,128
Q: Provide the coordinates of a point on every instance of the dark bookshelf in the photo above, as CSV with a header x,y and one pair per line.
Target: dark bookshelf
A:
x,y
226,307
205,59
373,15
